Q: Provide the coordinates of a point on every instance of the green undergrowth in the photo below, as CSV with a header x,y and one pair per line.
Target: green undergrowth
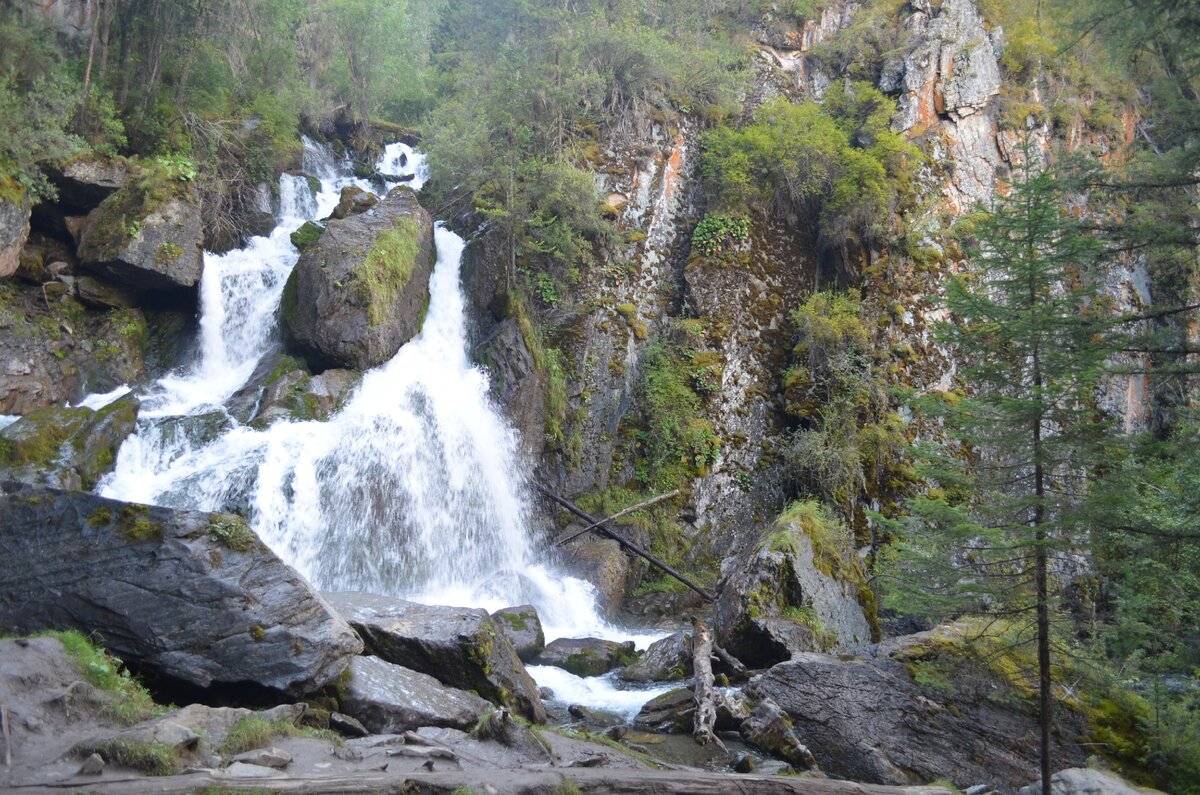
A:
x,y
387,268
255,731
127,701
153,759
676,443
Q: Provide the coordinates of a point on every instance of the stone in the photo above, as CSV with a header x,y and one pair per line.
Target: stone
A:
x,y
243,770
92,766
780,600
1086,781
346,725
14,231
147,242
670,712
83,183
266,757
354,296
664,661
460,647
215,723
601,562
191,596
586,656
352,201
523,627
770,729
101,294
69,448
306,235
866,718
391,699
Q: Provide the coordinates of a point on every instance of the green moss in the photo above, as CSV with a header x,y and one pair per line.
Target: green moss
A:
x,y
134,523
153,759
128,702
100,517
255,731
306,235
232,531
167,252
556,395
118,218
516,621
386,269
676,442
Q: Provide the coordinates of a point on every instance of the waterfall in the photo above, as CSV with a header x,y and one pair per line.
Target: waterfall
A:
x,y
411,489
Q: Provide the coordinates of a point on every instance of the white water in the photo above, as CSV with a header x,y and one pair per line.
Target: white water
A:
x,y
412,489
95,402
601,693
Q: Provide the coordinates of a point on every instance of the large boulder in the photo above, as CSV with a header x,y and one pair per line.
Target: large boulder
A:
x,y
1087,781
664,661
69,448
391,699
83,183
587,656
917,709
459,646
523,626
358,293
192,596
799,589
148,235
14,231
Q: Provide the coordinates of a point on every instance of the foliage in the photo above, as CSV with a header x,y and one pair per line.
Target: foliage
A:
x,y
255,731
676,443
127,701
715,233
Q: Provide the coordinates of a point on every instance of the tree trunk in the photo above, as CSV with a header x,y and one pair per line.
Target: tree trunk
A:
x,y
706,710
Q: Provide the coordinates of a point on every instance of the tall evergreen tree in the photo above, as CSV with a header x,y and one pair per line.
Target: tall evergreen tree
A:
x,y
1034,333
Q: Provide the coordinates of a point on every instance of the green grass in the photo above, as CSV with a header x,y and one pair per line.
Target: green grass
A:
x,y
255,731
129,702
387,268
154,759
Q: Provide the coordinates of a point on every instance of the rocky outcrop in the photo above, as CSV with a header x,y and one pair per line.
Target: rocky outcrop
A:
x,y
523,626
66,448
460,647
1087,781
868,719
85,182
390,699
281,387
787,595
14,231
191,596
358,293
586,656
664,661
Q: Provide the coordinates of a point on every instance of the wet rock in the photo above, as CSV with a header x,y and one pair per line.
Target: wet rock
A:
x,y
306,235
14,231
353,200
1086,781
586,656
664,661
192,596
515,381
66,447
358,293
671,712
460,647
866,719
782,598
281,387
390,699
770,729
143,240
523,627
602,563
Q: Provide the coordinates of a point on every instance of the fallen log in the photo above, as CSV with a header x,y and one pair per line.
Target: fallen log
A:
x,y
618,515
739,671
615,536
706,709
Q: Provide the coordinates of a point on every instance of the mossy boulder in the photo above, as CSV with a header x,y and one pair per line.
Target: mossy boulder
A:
x,y
359,292
523,627
14,230
306,235
665,660
148,235
801,588
460,647
587,656
352,201
69,448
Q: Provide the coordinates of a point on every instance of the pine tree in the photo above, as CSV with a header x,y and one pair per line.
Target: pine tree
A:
x,y
1033,334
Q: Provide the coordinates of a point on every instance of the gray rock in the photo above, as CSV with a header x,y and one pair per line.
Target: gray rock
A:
x,y
866,719
243,770
673,711
92,766
664,661
460,647
85,182
601,562
586,656
14,231
65,447
266,757
770,729
100,294
523,627
390,699
192,596
352,201
343,307
146,243
1086,781
346,725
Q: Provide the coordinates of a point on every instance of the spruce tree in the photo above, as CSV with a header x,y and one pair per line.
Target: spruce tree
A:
x,y
1032,333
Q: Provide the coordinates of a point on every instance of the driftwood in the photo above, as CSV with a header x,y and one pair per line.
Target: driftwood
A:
x,y
615,536
706,709
618,515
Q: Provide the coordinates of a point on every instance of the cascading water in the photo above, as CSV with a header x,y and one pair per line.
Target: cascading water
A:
x,y
411,489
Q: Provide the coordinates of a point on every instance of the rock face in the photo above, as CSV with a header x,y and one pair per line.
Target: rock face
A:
x,y
868,720
586,656
390,699
665,660
193,596
147,241
460,647
84,183
14,231
784,596
670,712
523,627
64,447
358,293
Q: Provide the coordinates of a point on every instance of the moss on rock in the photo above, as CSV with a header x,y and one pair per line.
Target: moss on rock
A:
x,y
386,269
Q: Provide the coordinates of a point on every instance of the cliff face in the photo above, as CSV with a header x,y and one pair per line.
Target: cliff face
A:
x,y
953,100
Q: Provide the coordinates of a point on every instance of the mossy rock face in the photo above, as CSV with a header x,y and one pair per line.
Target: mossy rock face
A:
x,y
66,447
14,229
587,656
306,235
359,291
523,627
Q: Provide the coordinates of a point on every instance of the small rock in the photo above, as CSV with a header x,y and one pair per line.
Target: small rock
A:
x,y
266,757
346,725
523,627
616,732
586,656
672,711
744,764
92,766
770,729
243,770
354,200
666,660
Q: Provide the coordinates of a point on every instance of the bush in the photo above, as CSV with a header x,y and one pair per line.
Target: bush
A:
x,y
675,443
